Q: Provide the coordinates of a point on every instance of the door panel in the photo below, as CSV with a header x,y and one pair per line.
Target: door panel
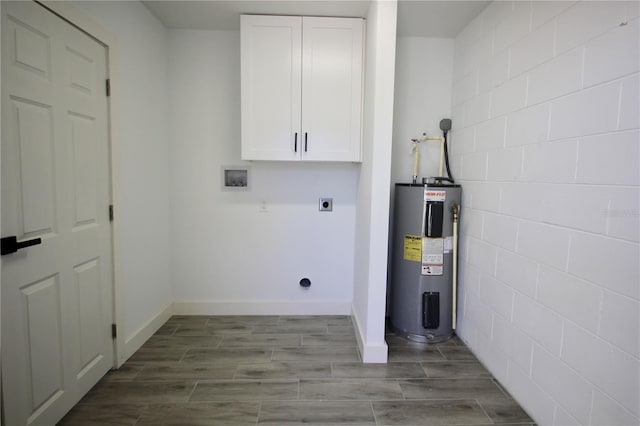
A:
x,y
84,168
81,71
33,147
57,296
41,308
31,48
87,277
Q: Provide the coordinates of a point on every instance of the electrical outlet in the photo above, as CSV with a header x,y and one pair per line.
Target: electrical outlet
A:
x,y
263,207
326,204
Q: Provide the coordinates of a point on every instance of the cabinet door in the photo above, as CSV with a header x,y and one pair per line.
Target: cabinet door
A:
x,y
331,89
271,85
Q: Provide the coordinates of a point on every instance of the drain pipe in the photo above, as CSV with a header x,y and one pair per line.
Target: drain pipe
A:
x,y
455,210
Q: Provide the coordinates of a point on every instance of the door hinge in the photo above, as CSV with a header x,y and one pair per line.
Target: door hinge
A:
x,y
114,331
111,213
108,86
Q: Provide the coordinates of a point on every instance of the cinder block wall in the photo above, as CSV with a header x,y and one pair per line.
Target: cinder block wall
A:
x,y
546,144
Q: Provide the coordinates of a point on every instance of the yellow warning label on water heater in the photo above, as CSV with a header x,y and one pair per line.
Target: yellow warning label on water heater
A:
x,y
413,248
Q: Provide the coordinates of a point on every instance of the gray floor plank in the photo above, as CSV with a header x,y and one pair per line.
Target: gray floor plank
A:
x,y
140,392
227,355
317,353
285,370
201,414
261,341
340,329
315,320
178,342
245,320
290,328
126,373
451,389
147,355
101,413
329,340
350,389
419,353
177,371
454,369
457,353
504,411
441,412
317,413
212,330
359,370
254,390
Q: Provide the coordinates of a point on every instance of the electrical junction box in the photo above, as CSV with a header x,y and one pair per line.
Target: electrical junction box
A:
x,y
325,204
235,178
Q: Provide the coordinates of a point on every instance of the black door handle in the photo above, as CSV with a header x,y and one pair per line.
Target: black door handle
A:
x,y
10,245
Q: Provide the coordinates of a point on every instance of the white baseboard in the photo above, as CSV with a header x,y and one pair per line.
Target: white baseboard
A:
x,y
136,340
374,354
251,307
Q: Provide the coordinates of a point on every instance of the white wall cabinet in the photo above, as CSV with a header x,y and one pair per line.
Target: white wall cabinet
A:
x,y
301,88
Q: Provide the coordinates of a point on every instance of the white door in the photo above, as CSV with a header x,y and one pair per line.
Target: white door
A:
x,y
56,296
270,74
331,88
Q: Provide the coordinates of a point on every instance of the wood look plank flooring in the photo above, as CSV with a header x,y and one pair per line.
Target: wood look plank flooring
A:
x,y
292,370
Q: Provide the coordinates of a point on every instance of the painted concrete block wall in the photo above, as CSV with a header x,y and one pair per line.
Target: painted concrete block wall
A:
x,y
143,157
546,144
227,256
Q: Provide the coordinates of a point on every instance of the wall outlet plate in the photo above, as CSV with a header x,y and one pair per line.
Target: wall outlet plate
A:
x,y
325,204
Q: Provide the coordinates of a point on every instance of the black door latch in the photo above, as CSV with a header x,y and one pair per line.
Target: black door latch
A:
x,y
11,245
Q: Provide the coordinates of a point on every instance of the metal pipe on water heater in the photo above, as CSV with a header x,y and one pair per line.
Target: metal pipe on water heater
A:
x,y
455,210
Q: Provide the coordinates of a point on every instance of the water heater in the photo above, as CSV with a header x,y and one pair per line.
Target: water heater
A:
x,y
422,263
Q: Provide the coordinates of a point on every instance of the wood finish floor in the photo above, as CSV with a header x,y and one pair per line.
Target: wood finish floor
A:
x,y
281,370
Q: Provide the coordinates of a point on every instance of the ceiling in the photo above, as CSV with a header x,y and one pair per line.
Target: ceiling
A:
x,y
417,18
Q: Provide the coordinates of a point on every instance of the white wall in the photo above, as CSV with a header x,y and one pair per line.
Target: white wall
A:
x,y
227,256
142,161
424,71
372,214
546,144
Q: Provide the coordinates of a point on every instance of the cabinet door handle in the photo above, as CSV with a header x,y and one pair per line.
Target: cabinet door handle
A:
x,y
295,142
305,141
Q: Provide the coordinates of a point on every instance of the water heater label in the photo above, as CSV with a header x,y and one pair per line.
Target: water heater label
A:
x,y
432,195
413,248
432,256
